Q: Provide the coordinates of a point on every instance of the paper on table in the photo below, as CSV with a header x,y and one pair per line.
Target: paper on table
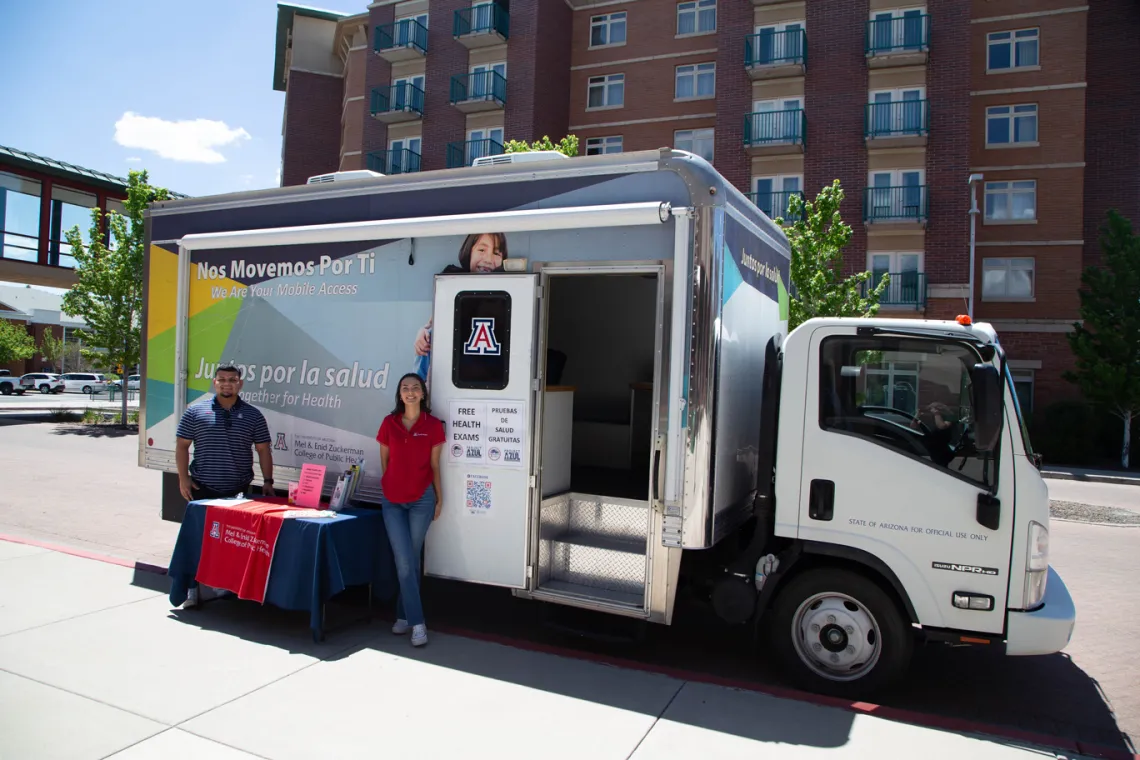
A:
x,y
309,488
224,502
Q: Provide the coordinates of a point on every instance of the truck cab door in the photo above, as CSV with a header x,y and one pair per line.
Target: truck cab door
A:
x,y
481,381
891,469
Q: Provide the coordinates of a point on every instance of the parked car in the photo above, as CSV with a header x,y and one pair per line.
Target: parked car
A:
x,y
8,384
132,382
44,382
84,382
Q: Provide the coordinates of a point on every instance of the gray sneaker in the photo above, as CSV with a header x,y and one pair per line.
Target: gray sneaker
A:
x,y
191,599
400,627
419,635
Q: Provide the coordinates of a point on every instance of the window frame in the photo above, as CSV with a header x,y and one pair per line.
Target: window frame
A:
x,y
1008,264
605,81
898,40
1010,39
698,69
603,142
695,7
1024,376
1011,118
694,131
607,21
1009,191
777,179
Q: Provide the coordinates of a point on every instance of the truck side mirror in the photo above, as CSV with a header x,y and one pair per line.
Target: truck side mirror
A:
x,y
988,405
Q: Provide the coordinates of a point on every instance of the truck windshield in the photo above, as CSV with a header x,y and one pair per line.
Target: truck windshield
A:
x,y
1017,408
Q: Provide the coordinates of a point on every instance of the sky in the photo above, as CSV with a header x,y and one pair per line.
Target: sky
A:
x,y
181,89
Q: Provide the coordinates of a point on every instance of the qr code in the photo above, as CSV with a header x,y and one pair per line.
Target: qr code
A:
x,y
478,495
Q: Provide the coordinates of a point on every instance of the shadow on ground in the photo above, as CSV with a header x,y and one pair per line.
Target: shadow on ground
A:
x,y
97,431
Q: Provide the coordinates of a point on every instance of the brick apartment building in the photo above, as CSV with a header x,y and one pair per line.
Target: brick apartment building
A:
x,y
1031,106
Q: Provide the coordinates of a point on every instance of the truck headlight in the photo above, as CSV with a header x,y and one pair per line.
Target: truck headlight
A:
x,y
1036,565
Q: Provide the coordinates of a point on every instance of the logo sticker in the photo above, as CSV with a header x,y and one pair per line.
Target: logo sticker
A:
x,y
972,569
494,454
482,341
216,530
457,450
280,444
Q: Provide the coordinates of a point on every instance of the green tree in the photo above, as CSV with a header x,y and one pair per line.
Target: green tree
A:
x,y
108,291
51,348
817,238
15,343
1106,343
567,146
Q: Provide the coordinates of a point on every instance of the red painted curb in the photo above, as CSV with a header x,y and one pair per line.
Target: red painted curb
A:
x,y
897,714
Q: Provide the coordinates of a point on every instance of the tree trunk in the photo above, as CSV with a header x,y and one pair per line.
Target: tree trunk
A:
x,y
126,387
1126,450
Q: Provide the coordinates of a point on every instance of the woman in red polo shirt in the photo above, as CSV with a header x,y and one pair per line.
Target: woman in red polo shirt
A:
x,y
410,442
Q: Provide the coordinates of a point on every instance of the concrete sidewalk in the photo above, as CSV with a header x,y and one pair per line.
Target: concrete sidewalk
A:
x,y
1119,477
94,664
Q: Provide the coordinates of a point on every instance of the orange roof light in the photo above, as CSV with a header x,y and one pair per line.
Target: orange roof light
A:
x,y
964,320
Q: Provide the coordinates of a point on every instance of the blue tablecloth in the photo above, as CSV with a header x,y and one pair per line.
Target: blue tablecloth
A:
x,y
313,561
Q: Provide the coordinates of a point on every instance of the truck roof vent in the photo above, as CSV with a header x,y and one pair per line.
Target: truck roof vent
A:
x,y
342,176
518,158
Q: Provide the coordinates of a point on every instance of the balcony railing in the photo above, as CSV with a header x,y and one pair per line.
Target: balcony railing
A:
x,y
773,48
485,18
903,289
777,204
909,34
900,118
405,33
394,161
479,86
465,153
403,97
895,204
775,127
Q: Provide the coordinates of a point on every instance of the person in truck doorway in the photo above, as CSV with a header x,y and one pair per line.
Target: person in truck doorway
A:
x,y
411,440
480,254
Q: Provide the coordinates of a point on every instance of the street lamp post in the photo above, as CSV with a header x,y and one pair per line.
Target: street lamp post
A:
x,y
972,182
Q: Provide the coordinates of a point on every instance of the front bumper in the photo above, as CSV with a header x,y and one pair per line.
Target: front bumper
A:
x,y
1046,629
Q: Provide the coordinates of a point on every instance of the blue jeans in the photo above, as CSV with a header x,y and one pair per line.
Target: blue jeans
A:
x,y
407,526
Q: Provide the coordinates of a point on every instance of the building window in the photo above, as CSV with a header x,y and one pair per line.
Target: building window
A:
x,y
1011,201
899,29
897,112
897,195
19,218
695,81
403,155
69,208
698,17
596,146
1011,125
1006,51
696,141
606,91
607,30
776,44
1008,278
1023,387
906,286
484,142
773,195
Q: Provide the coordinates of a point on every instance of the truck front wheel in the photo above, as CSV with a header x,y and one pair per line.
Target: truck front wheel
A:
x,y
837,632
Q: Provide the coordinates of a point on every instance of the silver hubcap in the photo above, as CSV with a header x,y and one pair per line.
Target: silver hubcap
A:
x,y
836,637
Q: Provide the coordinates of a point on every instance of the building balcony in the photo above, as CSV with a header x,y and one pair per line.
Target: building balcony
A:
x,y
769,133
902,123
904,291
402,40
901,41
394,161
482,25
902,207
773,55
777,204
465,153
398,103
479,91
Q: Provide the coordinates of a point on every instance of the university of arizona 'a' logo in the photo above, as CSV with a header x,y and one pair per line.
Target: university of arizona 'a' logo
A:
x,y
482,341
215,530
281,445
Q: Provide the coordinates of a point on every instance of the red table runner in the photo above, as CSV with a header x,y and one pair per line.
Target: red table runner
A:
x,y
238,545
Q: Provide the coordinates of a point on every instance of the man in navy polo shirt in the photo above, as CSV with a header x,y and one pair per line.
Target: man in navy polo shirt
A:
x,y
224,432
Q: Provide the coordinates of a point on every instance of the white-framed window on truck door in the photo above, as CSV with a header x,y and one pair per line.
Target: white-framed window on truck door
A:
x,y
902,475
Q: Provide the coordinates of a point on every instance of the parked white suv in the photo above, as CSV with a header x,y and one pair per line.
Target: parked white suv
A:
x,y
84,382
44,382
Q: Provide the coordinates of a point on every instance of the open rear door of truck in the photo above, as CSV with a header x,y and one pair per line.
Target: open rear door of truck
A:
x,y
482,380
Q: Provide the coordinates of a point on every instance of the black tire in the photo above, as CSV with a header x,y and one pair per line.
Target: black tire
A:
x,y
87,389
846,665
6,389
45,389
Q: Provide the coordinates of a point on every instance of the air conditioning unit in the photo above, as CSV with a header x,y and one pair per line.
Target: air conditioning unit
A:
x,y
343,176
519,158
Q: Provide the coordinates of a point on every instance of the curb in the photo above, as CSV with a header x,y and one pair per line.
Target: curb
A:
x,y
897,714
1122,480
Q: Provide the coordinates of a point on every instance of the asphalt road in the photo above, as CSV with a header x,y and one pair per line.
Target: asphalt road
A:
x,y
67,485
1102,494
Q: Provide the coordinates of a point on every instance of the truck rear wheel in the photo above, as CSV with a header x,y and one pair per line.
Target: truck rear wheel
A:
x,y
837,632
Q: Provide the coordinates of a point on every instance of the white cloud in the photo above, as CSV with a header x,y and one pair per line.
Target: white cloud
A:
x,y
277,180
192,141
134,160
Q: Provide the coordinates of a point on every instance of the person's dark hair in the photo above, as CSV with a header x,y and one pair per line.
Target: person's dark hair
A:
x,y
226,368
470,241
425,405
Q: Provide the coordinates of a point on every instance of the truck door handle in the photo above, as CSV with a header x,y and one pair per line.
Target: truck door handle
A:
x,y
821,500
656,472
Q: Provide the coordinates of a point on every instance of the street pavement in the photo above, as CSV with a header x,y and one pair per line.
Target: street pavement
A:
x,y
65,484
40,403
1101,494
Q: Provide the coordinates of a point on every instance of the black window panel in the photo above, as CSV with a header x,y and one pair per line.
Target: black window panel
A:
x,y
482,344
